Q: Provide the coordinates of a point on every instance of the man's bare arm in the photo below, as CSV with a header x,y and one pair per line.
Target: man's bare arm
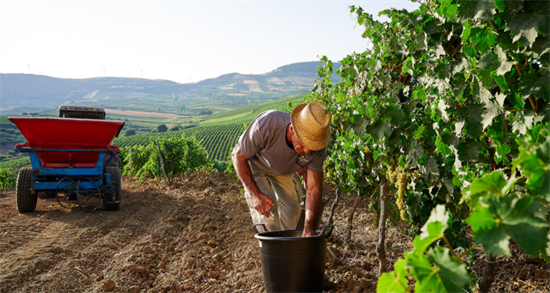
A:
x,y
313,207
243,170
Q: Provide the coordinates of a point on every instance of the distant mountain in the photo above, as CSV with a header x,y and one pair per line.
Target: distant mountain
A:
x,y
20,93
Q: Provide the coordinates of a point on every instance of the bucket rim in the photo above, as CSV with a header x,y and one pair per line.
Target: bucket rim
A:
x,y
264,236
320,235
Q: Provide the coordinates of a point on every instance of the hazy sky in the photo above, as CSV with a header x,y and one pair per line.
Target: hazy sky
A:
x,y
182,41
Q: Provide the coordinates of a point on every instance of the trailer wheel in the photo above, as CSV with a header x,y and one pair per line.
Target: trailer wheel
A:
x,y
26,198
114,172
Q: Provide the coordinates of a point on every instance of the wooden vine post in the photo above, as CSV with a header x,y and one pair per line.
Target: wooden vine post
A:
x,y
381,246
488,274
333,208
350,218
162,164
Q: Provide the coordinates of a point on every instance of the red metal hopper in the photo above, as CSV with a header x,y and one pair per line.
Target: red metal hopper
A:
x,y
69,134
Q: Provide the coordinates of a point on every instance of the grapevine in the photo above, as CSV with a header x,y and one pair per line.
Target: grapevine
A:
x,y
217,140
182,155
7,178
446,96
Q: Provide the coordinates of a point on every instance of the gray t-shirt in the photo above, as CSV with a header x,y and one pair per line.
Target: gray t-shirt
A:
x,y
264,144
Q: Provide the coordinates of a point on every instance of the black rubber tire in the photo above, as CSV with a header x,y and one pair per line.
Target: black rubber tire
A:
x,y
26,198
114,172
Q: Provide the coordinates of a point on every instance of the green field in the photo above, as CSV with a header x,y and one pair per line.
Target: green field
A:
x,y
218,140
16,164
218,133
246,114
4,119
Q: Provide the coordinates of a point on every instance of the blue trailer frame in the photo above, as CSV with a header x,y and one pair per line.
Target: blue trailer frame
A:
x,y
40,173
75,182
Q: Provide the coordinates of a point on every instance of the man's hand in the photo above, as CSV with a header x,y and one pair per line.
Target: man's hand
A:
x,y
262,203
308,232
314,206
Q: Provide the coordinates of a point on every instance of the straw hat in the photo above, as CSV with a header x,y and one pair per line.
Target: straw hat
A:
x,y
311,125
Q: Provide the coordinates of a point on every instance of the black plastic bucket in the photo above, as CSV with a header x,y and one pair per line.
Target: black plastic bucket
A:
x,y
292,263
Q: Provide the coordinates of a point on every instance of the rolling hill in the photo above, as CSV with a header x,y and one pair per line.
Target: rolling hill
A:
x,y
25,93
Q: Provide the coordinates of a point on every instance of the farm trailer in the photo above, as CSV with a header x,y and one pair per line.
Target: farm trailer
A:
x,y
72,156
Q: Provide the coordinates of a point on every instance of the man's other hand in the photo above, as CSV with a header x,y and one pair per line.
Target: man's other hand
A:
x,y
263,204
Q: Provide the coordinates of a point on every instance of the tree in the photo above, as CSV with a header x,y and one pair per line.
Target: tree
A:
x,y
162,128
129,132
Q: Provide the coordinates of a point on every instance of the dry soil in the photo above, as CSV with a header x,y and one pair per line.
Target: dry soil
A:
x,y
194,236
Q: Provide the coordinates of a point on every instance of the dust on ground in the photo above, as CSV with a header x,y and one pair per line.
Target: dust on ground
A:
x,y
194,236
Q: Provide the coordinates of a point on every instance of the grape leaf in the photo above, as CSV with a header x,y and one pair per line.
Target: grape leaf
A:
x,y
511,6
501,152
541,47
536,170
492,110
432,166
520,223
459,125
522,121
408,65
452,273
505,66
431,231
414,150
447,9
493,182
380,129
465,31
513,217
500,98
536,83
425,275
472,114
481,219
394,281
483,39
448,275
488,61
501,81
476,9
470,150
524,25
494,241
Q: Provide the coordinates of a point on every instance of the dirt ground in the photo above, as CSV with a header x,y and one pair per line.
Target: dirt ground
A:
x,y
194,236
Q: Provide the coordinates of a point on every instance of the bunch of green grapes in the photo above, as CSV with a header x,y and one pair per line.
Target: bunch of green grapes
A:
x,y
402,179
375,218
391,174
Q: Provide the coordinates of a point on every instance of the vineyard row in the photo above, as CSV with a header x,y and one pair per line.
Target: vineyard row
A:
x,y
217,140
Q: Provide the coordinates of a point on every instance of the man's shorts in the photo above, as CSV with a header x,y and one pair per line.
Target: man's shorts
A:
x,y
286,192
